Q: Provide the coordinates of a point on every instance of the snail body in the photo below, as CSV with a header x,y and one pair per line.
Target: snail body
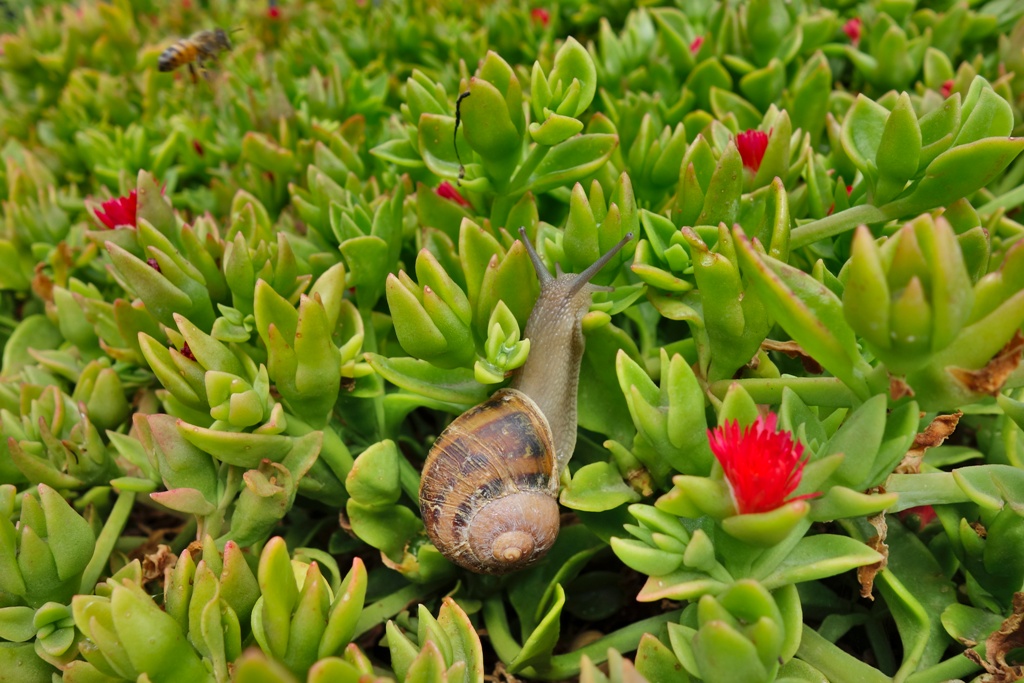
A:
x,y
489,488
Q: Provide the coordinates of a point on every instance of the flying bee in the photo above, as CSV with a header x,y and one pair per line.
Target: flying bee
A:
x,y
200,47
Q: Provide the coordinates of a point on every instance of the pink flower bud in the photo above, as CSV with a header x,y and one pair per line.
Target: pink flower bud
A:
x,y
852,29
446,190
752,145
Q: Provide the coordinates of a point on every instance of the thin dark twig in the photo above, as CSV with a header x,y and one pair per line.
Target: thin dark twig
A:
x,y
458,120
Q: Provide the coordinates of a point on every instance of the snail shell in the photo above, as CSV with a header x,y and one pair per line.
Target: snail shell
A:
x,y
488,492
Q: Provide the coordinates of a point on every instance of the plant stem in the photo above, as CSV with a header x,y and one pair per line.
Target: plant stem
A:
x,y
1009,200
213,524
498,633
501,208
394,603
186,535
838,666
409,479
624,640
835,224
370,345
333,451
819,391
954,668
914,624
567,665
105,543
517,186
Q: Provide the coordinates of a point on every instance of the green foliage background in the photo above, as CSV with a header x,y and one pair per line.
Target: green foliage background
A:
x,y
214,420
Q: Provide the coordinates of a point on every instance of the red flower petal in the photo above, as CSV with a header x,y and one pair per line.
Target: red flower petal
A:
x,y
852,29
120,211
446,190
541,16
761,465
695,45
947,88
274,12
752,145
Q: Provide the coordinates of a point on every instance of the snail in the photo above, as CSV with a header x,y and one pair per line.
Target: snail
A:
x,y
489,489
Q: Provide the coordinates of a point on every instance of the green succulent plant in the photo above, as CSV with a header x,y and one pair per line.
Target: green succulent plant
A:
x,y
236,312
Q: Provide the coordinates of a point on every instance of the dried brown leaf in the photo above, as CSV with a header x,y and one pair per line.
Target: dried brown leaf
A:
x,y
866,575
156,526
156,564
500,675
990,379
1010,636
639,479
409,563
60,263
344,524
934,434
794,350
42,285
898,388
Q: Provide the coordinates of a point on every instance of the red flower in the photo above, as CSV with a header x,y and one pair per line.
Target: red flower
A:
x,y
274,12
120,211
762,466
446,190
922,514
695,45
541,16
752,145
154,264
852,30
947,88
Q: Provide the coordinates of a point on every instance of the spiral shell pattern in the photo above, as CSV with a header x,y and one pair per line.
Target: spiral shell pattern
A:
x,y
488,494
